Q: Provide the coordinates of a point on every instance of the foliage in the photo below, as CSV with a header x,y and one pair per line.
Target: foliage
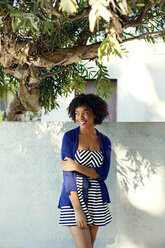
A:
x,y
154,21
61,24
62,84
103,84
34,19
7,83
72,78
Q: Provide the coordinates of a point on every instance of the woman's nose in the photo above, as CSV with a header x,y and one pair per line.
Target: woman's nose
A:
x,y
81,116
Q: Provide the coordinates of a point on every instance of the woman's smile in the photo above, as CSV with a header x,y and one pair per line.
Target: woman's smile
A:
x,y
82,123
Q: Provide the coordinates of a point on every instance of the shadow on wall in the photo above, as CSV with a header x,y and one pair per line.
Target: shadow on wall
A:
x,y
134,168
141,186
142,158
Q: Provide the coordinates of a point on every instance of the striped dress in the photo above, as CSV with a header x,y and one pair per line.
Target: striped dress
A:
x,y
97,212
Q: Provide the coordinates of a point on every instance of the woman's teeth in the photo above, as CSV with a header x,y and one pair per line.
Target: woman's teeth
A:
x,y
82,122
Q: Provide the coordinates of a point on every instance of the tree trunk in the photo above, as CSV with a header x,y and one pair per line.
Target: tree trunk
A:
x,y
27,97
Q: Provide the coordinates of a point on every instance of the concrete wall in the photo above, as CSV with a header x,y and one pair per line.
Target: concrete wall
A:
x,y
31,179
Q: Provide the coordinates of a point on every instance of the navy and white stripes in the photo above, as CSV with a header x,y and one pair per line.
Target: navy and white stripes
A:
x,y
97,212
89,158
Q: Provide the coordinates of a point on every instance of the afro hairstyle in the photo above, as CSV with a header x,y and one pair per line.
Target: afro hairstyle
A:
x,y
96,103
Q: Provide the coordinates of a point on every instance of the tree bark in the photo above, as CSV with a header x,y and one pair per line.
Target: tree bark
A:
x,y
27,98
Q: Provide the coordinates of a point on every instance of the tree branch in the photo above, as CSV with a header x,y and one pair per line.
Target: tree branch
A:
x,y
82,14
139,37
52,73
24,52
65,56
142,13
139,20
83,37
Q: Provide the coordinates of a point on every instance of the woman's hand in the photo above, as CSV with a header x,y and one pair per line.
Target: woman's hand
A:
x,y
68,164
80,218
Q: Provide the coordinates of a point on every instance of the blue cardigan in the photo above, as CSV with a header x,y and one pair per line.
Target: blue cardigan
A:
x,y
68,149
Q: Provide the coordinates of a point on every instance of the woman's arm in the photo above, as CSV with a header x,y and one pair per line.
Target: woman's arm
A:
x,y
69,164
79,213
101,173
69,176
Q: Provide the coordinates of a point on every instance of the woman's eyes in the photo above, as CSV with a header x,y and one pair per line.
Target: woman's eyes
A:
x,y
84,113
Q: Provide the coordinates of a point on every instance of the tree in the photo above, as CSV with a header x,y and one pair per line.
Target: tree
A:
x,y
42,44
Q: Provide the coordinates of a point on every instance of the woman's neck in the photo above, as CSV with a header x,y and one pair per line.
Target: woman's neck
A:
x,y
87,131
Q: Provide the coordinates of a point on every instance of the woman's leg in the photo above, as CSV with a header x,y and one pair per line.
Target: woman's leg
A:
x,y
93,233
81,236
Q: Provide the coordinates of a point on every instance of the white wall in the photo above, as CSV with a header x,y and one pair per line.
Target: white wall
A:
x,y
141,87
31,180
141,84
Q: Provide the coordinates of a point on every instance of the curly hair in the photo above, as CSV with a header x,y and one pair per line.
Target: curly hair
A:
x,y
96,103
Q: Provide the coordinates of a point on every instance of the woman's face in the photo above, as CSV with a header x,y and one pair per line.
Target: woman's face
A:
x,y
84,116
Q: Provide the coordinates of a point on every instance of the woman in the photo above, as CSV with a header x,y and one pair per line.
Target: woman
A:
x,y
85,164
